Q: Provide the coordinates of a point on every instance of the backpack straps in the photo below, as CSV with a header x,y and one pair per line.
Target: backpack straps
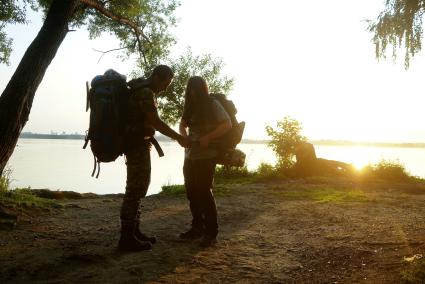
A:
x,y
94,166
86,140
157,146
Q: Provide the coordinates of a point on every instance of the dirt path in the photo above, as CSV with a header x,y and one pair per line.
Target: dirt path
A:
x,y
299,231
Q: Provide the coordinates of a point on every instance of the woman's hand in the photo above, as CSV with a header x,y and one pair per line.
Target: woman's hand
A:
x,y
204,142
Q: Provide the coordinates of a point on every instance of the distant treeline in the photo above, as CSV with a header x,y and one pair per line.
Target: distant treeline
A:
x,y
367,144
30,135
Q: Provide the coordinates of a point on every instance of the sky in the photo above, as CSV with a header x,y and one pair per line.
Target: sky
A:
x,y
311,60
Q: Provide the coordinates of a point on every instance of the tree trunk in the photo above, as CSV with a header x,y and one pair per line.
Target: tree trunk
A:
x,y
17,98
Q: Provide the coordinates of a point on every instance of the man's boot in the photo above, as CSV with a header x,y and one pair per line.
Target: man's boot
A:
x,y
128,240
141,236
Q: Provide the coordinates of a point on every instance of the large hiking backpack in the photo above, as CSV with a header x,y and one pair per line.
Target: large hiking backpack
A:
x,y
107,100
229,155
234,136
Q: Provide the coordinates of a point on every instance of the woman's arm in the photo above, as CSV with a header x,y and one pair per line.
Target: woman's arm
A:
x,y
182,128
221,129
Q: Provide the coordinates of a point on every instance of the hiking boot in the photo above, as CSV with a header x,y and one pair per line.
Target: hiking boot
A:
x,y
192,234
144,238
208,241
129,242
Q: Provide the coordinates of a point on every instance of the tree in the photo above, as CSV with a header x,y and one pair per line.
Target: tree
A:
x,y
172,102
140,25
400,24
284,140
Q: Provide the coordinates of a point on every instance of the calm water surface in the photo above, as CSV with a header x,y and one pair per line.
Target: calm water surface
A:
x,y
64,165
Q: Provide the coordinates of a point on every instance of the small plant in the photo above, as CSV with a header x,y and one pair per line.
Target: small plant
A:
x,y
284,140
415,272
5,181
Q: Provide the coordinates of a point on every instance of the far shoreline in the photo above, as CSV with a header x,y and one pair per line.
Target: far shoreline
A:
x,y
337,143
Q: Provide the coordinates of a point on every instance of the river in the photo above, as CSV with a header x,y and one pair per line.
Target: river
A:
x,y
64,165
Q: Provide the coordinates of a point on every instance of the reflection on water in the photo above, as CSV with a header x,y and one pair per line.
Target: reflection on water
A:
x,y
62,164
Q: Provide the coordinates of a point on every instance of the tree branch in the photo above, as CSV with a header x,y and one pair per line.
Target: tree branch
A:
x,y
99,6
107,51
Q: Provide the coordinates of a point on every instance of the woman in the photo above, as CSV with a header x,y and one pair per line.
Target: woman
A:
x,y
206,120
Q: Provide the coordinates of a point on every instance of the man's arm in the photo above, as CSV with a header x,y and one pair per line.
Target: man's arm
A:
x,y
154,119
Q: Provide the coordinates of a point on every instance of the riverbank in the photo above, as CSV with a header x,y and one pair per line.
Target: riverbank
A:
x,y
306,230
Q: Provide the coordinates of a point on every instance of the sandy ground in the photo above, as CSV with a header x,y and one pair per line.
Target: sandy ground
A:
x,y
269,233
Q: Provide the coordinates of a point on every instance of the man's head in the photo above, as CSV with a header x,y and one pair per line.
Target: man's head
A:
x,y
161,78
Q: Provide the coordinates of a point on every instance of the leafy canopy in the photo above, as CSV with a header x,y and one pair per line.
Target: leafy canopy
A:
x,y
142,26
284,139
399,26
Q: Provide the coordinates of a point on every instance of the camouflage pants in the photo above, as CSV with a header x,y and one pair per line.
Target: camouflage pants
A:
x,y
138,163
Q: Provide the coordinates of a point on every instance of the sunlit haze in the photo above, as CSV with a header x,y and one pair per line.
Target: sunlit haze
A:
x,y
311,60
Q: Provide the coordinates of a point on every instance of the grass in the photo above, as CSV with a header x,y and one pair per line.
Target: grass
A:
x,y
233,175
415,272
265,172
25,199
21,198
322,194
179,189
174,189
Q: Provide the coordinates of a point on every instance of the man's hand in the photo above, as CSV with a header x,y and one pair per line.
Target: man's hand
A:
x,y
183,141
204,142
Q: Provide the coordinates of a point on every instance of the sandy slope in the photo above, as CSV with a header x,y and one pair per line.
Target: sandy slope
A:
x,y
269,233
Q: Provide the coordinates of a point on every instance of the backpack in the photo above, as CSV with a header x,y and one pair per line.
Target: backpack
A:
x,y
234,136
229,156
107,100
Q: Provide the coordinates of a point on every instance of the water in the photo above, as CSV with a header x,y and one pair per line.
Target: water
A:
x,y
62,164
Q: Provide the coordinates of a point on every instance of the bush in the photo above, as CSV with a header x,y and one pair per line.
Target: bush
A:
x,y
284,139
386,170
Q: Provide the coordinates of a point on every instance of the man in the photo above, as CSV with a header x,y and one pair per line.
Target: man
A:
x,y
143,120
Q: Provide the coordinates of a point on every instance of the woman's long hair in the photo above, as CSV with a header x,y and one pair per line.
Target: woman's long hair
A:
x,y
197,101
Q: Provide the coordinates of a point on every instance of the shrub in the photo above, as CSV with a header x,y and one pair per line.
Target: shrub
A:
x,y
284,139
387,170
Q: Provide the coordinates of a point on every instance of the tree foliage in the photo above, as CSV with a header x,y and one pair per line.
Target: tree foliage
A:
x,y
11,12
284,138
399,26
171,102
142,26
